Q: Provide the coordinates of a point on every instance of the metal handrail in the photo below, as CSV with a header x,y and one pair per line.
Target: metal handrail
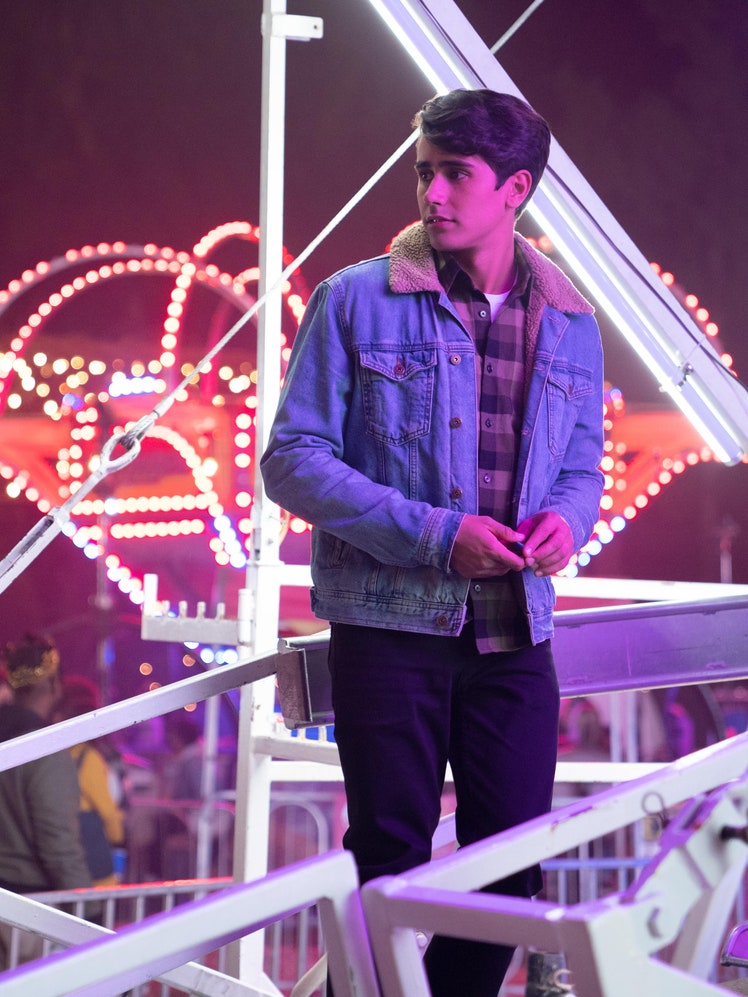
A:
x,y
114,963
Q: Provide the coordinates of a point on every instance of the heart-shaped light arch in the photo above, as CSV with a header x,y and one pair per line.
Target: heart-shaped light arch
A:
x,y
64,402
211,432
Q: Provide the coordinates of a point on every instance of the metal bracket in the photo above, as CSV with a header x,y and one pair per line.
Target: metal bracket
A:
x,y
294,27
158,624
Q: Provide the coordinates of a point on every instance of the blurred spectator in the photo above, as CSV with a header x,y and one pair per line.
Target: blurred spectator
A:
x,y
584,738
183,771
182,782
102,821
587,738
195,809
40,847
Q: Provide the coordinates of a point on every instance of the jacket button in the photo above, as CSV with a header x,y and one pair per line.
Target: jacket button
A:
x,y
455,359
442,620
399,368
456,493
455,422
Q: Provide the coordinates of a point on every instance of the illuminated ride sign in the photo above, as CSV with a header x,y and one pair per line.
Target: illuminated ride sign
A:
x,y
192,484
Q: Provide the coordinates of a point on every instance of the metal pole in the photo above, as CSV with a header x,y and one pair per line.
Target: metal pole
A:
x,y
259,620
208,817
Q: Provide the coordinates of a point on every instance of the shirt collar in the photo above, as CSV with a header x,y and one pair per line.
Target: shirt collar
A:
x,y
450,271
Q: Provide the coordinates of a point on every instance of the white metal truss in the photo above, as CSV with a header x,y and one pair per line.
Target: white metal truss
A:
x,y
689,369
682,898
446,47
108,964
69,931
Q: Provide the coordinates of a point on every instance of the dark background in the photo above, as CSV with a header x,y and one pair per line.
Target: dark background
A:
x,y
140,121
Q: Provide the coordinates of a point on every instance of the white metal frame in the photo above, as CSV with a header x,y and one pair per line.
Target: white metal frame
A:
x,y
683,897
67,930
103,963
445,46
688,367
434,896
265,569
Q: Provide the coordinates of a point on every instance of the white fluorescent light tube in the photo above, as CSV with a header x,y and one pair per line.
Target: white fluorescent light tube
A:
x,y
407,21
444,45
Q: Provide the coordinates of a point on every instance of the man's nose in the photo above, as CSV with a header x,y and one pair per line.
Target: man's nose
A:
x,y
435,191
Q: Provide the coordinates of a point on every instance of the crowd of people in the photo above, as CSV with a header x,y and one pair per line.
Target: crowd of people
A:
x,y
68,819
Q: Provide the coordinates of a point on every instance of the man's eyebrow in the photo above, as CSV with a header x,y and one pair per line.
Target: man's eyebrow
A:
x,y
421,163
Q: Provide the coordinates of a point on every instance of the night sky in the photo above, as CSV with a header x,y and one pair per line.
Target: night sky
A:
x,y
140,121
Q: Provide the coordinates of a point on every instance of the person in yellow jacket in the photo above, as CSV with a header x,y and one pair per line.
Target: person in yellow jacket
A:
x,y
102,820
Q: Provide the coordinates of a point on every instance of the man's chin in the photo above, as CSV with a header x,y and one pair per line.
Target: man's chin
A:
x,y
441,242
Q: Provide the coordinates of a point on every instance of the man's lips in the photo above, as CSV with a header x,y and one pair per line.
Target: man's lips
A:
x,y
437,220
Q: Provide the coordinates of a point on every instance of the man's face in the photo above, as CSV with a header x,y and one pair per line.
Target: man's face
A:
x,y
460,207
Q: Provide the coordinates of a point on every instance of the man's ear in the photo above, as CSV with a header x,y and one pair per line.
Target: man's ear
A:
x,y
518,187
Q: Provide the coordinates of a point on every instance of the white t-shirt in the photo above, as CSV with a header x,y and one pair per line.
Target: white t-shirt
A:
x,y
495,301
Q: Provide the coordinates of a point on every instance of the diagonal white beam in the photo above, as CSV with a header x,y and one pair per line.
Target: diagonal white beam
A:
x,y
445,46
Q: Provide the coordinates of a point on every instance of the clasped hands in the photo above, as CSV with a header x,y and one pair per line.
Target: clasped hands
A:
x,y
484,548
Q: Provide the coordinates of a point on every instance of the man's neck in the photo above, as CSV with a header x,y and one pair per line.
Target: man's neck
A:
x,y
490,272
35,705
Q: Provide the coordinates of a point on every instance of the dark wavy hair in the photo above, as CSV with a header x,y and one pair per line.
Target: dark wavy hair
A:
x,y
503,130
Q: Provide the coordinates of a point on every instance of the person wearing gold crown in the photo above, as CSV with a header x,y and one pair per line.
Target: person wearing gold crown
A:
x,y
40,846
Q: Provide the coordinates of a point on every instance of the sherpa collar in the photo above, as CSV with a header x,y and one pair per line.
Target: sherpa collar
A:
x,y
412,268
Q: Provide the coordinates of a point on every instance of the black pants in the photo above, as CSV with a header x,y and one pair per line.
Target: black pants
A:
x,y
406,704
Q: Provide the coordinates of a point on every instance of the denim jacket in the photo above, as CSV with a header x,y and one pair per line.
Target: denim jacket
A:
x,y
375,441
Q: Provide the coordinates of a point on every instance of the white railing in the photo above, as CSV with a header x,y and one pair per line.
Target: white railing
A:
x,y
682,898
662,787
163,945
135,710
109,908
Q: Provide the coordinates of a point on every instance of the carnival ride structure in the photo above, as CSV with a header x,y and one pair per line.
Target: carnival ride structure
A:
x,y
673,344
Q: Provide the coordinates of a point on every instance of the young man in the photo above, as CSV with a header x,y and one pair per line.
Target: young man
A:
x,y
441,428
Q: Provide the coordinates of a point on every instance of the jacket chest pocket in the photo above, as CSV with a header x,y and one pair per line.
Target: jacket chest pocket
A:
x,y
567,388
397,390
